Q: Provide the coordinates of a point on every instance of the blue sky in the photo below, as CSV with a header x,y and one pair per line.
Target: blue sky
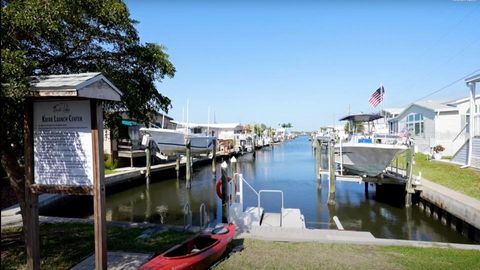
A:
x,y
306,62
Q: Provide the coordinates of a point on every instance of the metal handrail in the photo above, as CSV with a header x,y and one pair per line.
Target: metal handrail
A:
x,y
242,180
270,191
245,181
461,131
187,216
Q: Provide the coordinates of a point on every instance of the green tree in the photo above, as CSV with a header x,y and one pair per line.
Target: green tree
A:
x,y
286,125
60,37
259,128
356,126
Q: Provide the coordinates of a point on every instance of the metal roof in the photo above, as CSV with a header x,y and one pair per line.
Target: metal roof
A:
x,y
393,110
435,106
455,102
361,117
473,79
90,85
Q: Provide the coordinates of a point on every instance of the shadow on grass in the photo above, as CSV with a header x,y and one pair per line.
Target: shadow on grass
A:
x,y
64,245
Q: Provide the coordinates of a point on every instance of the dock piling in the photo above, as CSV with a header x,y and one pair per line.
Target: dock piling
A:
x,y
188,165
233,162
148,164
224,193
408,186
331,168
177,166
318,159
214,160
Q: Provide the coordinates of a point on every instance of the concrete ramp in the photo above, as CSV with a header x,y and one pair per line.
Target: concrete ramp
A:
x,y
306,235
292,218
271,220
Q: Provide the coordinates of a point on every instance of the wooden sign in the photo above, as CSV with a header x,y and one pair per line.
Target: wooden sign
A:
x,y
62,142
63,131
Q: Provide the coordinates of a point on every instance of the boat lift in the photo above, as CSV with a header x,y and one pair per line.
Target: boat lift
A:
x,y
392,174
256,216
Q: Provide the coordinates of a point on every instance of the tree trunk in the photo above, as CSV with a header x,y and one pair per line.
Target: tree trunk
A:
x,y
16,175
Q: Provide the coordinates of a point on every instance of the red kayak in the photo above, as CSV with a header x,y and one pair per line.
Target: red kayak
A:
x,y
199,252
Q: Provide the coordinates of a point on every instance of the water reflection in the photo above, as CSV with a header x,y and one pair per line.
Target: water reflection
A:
x,y
163,202
289,167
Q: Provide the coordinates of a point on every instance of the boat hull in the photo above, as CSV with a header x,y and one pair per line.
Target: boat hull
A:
x,y
172,142
201,259
368,159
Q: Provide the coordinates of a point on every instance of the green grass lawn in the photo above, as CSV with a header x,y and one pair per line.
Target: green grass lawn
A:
x,y
466,181
64,245
282,255
108,171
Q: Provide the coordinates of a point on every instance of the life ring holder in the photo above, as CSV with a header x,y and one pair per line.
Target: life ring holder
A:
x,y
218,187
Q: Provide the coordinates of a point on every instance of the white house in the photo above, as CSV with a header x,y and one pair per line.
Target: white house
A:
x,y
430,123
382,125
469,152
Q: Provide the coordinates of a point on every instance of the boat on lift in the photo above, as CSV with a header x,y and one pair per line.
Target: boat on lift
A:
x,y
367,153
170,141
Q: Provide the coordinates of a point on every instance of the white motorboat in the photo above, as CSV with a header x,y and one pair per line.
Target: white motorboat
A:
x,y
325,134
367,154
243,143
171,141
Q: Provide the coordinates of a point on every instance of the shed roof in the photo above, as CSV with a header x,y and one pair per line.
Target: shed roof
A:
x,y
89,85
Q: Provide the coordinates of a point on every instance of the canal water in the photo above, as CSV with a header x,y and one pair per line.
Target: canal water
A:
x,y
289,167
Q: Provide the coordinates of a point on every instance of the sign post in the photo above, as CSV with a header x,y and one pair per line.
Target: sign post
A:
x,y
98,186
64,150
32,241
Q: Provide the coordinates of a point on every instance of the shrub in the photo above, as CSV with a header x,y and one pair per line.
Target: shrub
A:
x,y
438,148
110,163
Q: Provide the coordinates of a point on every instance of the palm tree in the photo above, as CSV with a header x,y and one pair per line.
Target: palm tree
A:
x,y
286,125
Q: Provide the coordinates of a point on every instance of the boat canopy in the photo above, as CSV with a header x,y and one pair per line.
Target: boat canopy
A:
x,y
361,117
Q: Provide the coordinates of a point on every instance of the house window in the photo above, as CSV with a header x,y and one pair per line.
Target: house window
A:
x,y
393,127
415,124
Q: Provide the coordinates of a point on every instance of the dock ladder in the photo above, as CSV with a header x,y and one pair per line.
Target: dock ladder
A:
x,y
255,216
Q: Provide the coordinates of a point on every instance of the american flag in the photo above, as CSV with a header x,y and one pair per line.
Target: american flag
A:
x,y
377,96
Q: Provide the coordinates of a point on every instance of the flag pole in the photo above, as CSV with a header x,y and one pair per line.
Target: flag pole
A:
x,y
383,105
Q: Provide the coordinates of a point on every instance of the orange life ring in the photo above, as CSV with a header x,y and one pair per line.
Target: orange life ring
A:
x,y
219,186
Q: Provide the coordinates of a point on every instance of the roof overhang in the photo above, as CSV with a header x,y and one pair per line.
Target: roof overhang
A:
x,y
473,79
85,85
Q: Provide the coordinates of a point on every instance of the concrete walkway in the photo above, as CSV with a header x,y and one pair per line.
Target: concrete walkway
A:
x,y
338,237
117,260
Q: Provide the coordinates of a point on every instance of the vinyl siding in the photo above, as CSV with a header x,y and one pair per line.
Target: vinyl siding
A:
x,y
427,140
